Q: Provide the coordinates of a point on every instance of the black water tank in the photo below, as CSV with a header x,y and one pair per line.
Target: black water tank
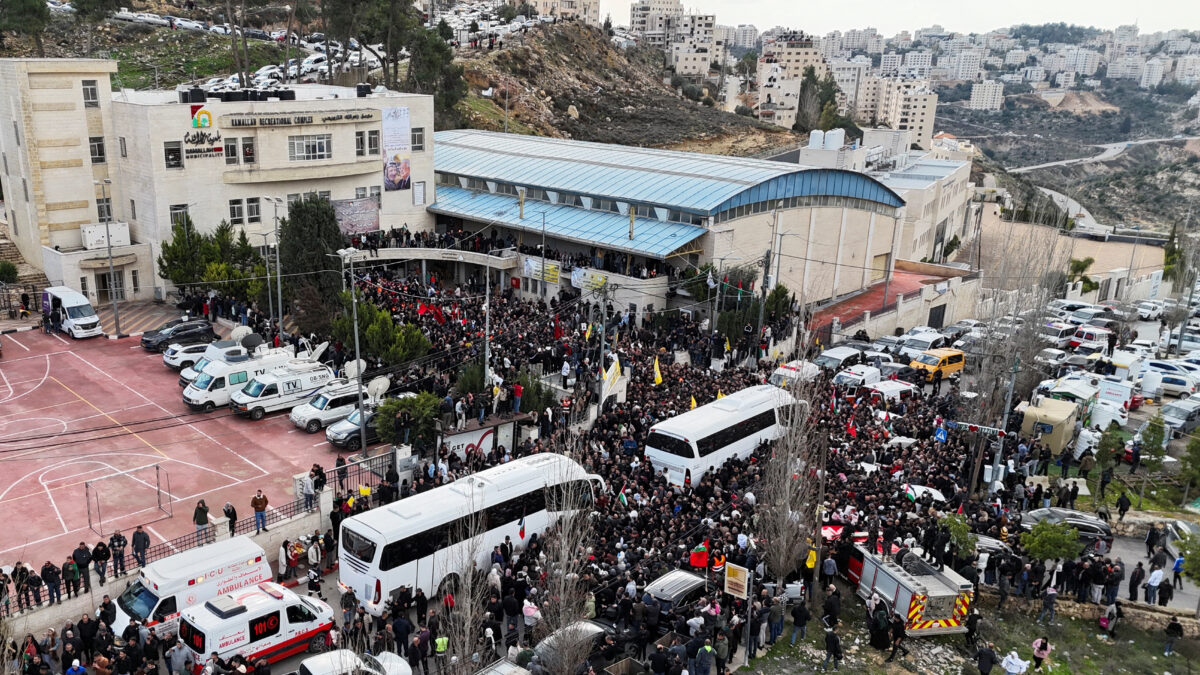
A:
x,y
287,95
198,95
238,95
363,90
184,96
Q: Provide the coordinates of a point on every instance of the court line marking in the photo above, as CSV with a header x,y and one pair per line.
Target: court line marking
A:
x,y
65,423
35,356
23,394
7,384
164,539
190,425
112,419
56,336
18,343
53,504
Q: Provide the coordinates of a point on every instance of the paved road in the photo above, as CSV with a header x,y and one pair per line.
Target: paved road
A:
x,y
1110,150
1083,217
1131,550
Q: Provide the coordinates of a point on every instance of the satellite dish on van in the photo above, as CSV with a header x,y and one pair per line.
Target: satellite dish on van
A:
x,y
252,341
377,387
354,368
240,332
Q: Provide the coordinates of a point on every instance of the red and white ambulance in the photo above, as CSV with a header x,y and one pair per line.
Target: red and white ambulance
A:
x,y
265,622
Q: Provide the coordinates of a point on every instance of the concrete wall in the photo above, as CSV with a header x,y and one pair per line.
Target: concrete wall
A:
x,y
38,621
959,295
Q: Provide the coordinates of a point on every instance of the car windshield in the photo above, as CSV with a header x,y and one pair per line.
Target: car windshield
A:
x,y
137,601
1051,331
319,401
927,359
200,364
827,361
1048,355
1176,411
780,380
1046,515
203,381
254,388
80,311
847,378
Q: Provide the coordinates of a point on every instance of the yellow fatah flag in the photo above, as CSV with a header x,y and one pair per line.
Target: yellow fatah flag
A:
x,y
812,559
719,395
364,490
588,335
693,403
727,348
657,372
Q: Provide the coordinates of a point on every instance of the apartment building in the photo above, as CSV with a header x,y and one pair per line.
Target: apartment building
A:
x,y
967,65
778,97
1152,74
1126,68
898,103
1033,74
794,52
849,75
652,20
694,45
745,36
155,156
1082,61
889,63
1015,57
986,95
1187,69
587,11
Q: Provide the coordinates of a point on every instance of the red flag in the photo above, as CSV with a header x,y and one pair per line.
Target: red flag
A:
x,y
960,509
422,308
699,556
850,429
557,329
522,532
437,314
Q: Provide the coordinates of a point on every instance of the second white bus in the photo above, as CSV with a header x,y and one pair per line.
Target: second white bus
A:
x,y
700,440
424,541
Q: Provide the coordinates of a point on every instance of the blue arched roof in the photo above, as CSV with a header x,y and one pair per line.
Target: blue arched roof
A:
x,y
815,182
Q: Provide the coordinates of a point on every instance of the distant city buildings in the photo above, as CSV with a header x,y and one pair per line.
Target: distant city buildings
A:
x,y
745,36
1152,74
986,95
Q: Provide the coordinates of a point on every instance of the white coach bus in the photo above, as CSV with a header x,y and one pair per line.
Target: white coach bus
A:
x,y
700,440
423,541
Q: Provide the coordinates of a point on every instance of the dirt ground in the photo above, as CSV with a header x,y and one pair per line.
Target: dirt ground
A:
x,y
1084,103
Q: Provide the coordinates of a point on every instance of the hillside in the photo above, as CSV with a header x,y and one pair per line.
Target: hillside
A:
x,y
569,81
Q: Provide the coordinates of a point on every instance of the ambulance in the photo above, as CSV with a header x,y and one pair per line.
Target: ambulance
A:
x,y
166,586
934,602
267,621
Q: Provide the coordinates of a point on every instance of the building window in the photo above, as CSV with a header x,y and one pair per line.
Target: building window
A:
x,y
96,145
310,147
231,151
123,153
373,142
132,210
247,151
104,209
179,213
418,138
253,215
173,151
418,193
83,285
17,132
375,191
25,188
293,198
324,194
360,143
137,284
360,193
5,156
235,212
91,94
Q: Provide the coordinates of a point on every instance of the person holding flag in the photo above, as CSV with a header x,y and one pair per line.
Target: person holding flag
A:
x,y
658,378
699,555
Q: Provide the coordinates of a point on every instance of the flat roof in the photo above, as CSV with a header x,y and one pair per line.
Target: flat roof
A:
x,y
688,181
304,92
651,237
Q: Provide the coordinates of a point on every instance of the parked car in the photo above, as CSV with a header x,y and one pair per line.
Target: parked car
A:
x,y
603,651
1051,357
152,19
902,371
675,589
184,332
1091,529
256,33
1149,310
345,434
887,343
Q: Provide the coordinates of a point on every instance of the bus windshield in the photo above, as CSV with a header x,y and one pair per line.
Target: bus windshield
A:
x,y
137,601
669,445
357,545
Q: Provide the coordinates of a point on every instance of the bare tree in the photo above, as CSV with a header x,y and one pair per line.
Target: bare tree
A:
x,y
463,624
565,545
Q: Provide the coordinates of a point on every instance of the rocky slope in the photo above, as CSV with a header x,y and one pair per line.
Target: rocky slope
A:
x,y
569,81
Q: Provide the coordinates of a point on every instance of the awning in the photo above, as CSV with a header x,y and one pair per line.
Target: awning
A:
x,y
102,263
652,237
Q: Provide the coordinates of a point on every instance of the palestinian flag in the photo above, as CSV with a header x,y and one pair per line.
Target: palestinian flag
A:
x,y
658,378
521,533
910,493
621,496
588,335
699,557
720,395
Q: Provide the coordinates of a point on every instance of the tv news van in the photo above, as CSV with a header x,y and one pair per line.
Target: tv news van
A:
x,y
166,586
79,320
214,387
287,386
266,621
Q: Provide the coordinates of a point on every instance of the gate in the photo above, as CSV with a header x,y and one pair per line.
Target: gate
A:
x,y
128,493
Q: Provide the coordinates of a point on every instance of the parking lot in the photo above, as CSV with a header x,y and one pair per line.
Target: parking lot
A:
x,y
109,413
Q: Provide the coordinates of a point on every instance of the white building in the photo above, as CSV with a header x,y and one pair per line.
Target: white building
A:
x,y
1065,79
1187,69
1152,74
210,159
849,75
1033,73
967,65
986,95
889,63
1126,68
745,36
694,45
1083,61
1015,57
655,18
919,59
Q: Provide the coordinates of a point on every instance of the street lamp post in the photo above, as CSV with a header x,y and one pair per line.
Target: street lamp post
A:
x,y
112,275
276,201
267,260
347,257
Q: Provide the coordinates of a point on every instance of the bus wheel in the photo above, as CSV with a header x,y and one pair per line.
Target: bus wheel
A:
x,y
448,585
317,644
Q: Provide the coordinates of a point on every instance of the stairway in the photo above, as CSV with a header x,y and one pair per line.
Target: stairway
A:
x,y
27,275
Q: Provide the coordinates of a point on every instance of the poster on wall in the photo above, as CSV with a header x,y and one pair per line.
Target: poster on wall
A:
x,y
397,147
356,216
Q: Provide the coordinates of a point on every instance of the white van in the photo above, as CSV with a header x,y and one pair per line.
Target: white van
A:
x,y
213,388
268,622
79,320
281,388
166,586
856,376
794,371
333,403
914,345
838,358
221,350
1057,334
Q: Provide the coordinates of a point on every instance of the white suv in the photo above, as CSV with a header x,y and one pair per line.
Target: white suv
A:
x,y
331,404
178,357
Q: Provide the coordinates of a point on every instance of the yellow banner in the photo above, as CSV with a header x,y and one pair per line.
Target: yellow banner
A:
x,y
736,578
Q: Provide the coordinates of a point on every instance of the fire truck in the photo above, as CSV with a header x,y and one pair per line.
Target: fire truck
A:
x,y
934,602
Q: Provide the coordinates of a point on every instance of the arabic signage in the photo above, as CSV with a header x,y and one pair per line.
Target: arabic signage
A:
x,y
736,577
587,280
356,216
533,269
243,120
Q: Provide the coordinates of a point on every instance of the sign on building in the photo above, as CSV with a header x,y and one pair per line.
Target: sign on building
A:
x,y
356,216
587,280
397,149
533,270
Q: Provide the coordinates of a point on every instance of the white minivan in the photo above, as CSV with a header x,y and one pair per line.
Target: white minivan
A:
x,y
284,387
166,586
79,320
333,403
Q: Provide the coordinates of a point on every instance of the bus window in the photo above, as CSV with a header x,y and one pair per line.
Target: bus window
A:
x,y
735,433
358,546
670,444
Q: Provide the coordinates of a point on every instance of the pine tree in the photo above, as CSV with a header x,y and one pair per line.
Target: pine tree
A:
x,y
26,17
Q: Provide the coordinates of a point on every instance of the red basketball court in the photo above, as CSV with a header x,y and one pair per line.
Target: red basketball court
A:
x,y
94,436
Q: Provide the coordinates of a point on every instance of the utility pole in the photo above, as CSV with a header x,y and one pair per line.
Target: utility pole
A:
x,y
347,257
1012,383
762,305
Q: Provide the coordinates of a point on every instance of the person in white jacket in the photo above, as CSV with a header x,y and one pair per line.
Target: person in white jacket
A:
x,y
1013,665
